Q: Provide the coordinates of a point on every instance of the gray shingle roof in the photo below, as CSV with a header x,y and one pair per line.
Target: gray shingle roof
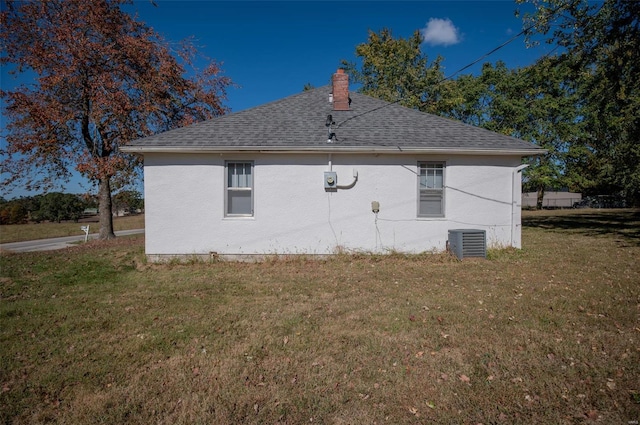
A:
x,y
297,123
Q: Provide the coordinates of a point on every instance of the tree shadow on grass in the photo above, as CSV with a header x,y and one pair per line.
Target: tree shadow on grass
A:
x,y
624,224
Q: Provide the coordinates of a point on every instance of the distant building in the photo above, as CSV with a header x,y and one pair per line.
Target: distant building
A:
x,y
551,199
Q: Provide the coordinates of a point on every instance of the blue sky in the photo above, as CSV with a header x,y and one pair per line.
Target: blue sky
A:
x,y
270,50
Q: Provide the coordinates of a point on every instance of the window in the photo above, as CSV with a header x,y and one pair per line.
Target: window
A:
x,y
239,189
430,189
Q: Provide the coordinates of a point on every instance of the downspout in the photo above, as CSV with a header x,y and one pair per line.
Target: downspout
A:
x,y
514,201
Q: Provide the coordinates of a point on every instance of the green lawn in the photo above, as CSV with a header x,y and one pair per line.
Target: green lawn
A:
x,y
27,232
549,334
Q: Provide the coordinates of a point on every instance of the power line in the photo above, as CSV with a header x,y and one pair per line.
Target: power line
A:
x,y
492,51
524,31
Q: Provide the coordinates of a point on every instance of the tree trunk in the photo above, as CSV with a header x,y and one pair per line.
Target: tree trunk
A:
x,y
104,204
540,198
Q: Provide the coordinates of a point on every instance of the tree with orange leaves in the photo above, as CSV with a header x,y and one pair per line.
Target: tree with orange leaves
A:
x,y
102,80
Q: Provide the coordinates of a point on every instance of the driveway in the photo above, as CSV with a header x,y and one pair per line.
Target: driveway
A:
x,y
56,243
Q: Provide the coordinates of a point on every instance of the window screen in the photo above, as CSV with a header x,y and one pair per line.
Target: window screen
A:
x,y
239,201
430,189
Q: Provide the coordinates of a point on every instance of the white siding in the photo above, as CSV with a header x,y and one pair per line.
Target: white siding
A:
x,y
184,204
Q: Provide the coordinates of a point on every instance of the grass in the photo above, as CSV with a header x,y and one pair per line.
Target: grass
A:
x,y
548,334
26,232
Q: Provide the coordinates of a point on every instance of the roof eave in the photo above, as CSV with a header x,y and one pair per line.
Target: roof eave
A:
x,y
396,150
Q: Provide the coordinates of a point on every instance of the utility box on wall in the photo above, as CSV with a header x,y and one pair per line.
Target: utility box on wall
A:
x,y
330,180
468,243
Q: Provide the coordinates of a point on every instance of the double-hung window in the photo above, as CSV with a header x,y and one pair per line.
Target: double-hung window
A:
x,y
239,189
431,189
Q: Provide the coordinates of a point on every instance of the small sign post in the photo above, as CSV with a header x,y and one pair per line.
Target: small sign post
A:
x,y
85,229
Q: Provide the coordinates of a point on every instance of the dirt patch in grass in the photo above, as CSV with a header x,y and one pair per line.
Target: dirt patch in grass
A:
x,y
548,334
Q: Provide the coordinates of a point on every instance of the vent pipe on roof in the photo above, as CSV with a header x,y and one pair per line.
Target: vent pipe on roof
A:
x,y
340,85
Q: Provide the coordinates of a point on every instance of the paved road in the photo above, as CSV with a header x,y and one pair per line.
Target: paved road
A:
x,y
56,243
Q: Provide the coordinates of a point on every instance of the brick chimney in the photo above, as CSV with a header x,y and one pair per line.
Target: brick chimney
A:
x,y
340,82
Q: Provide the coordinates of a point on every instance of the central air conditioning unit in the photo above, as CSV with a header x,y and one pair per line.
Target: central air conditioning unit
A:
x,y
468,243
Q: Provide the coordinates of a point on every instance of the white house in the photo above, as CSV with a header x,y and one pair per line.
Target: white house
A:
x,y
326,171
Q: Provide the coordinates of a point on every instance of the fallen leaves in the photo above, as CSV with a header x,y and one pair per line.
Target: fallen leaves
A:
x,y
592,414
501,366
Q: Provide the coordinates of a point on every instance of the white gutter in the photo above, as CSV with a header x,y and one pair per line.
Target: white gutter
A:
x,y
330,149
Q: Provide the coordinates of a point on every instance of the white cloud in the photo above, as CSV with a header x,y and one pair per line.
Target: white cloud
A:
x,y
441,32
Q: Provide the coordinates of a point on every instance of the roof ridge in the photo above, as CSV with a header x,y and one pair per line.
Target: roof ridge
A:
x,y
298,122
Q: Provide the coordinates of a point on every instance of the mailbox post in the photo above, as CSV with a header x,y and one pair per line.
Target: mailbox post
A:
x,y
85,229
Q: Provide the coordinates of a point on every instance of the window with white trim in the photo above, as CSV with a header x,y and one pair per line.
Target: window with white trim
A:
x,y
431,189
239,189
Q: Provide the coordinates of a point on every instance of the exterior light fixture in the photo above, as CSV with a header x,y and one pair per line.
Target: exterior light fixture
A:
x,y
329,123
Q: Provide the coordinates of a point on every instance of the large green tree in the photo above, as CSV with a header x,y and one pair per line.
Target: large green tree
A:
x,y
102,80
396,70
56,206
539,104
602,43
